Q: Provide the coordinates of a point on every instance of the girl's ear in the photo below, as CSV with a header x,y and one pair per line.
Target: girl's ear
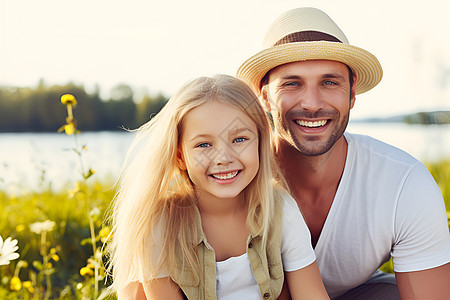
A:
x,y
180,160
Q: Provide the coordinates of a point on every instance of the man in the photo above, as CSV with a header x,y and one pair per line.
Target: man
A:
x,y
364,201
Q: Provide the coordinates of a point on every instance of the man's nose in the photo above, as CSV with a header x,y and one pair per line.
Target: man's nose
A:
x,y
311,99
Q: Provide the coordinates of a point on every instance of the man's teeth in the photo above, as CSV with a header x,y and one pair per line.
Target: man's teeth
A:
x,y
225,176
311,124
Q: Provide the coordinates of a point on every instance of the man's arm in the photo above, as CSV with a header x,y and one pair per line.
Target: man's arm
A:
x,y
422,239
433,284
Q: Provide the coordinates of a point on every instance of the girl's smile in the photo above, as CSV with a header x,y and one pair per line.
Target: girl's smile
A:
x,y
225,177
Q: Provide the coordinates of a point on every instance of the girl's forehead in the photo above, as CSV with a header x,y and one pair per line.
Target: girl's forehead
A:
x,y
217,117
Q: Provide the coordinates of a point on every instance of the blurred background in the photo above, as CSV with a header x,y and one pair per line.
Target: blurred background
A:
x,y
122,60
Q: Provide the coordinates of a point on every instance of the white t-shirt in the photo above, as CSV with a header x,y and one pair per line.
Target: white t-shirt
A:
x,y
234,276
387,203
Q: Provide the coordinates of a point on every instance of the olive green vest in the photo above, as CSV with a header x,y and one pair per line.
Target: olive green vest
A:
x,y
265,261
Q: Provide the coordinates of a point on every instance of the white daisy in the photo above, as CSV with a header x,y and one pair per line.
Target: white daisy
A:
x,y
8,250
39,227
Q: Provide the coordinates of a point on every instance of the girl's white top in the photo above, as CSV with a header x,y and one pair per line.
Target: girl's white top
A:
x,y
235,279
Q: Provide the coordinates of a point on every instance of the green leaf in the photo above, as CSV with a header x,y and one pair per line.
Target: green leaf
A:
x,y
86,241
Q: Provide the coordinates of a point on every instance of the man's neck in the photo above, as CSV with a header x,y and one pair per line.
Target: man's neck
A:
x,y
311,175
313,181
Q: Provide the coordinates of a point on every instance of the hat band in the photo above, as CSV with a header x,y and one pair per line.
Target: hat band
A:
x,y
306,36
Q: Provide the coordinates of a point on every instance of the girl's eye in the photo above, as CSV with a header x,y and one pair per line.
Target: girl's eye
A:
x,y
239,140
203,145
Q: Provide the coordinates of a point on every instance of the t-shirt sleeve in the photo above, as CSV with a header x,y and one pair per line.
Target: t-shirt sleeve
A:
x,y
422,239
296,249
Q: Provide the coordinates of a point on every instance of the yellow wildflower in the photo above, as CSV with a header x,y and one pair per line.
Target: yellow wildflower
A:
x,y
71,126
68,99
15,284
90,266
69,129
20,227
49,265
55,257
85,271
29,286
89,173
104,233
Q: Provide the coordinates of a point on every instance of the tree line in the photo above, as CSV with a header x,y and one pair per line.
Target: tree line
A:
x,y
39,109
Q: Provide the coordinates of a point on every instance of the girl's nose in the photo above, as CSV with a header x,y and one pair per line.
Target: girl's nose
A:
x,y
224,156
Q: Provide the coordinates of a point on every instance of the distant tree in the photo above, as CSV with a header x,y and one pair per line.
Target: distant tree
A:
x,y
121,108
149,107
39,109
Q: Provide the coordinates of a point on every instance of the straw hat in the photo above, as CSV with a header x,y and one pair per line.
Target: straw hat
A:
x,y
309,34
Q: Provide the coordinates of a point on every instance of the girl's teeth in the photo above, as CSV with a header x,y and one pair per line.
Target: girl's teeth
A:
x,y
225,176
311,124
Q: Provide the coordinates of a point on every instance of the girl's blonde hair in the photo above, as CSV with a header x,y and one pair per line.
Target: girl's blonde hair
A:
x,y
154,211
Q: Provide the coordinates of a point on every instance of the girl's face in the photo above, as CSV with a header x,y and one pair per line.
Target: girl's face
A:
x,y
219,150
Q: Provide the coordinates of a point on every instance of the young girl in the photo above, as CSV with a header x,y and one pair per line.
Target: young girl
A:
x,y
200,211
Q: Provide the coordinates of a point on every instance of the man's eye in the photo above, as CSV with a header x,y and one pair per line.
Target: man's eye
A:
x,y
202,145
294,83
329,82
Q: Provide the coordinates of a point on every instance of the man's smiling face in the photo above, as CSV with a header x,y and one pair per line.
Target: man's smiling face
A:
x,y
310,103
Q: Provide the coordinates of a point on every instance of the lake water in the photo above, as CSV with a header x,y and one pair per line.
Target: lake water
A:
x,y
30,160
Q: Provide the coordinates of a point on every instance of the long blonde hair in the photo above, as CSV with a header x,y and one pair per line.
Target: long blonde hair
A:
x,y
154,211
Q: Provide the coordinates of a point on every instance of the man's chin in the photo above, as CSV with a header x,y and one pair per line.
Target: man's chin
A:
x,y
312,146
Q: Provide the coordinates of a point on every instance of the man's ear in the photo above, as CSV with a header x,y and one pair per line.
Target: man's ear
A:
x,y
264,98
180,160
353,92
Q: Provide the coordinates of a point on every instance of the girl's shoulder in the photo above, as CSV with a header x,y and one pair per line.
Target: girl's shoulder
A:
x,y
286,209
282,201
282,198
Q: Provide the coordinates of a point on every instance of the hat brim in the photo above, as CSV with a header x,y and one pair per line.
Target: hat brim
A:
x,y
364,65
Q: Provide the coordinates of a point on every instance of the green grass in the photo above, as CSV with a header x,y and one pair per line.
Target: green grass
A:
x,y
69,209
70,239
441,173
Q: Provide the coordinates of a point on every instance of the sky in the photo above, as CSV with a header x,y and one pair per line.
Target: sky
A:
x,y
156,46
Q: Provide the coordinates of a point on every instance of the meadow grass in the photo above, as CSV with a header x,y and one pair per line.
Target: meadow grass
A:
x,y
441,173
68,247
60,235
70,237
